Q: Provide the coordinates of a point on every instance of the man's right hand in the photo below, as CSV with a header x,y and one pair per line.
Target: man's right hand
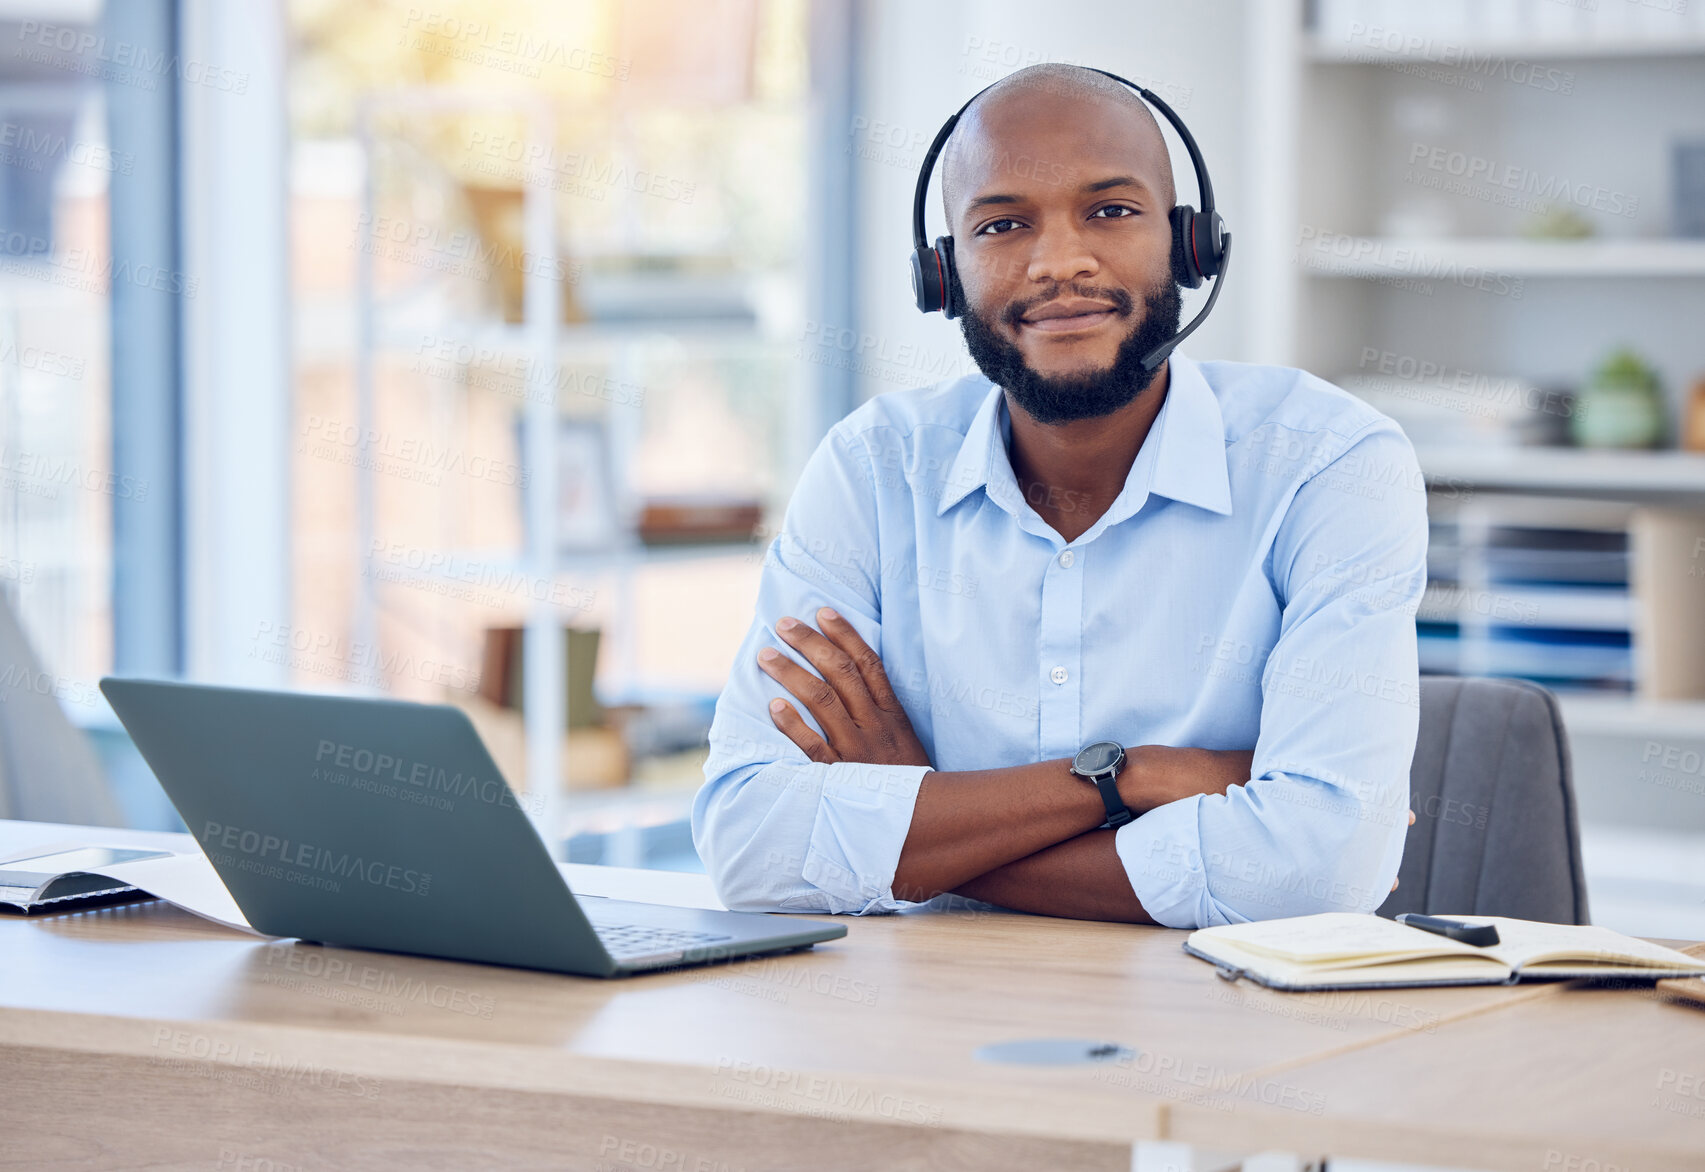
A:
x,y
851,697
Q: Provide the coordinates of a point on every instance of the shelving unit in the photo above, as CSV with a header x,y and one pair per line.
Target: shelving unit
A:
x,y
1325,51
1380,256
1382,227
625,555
635,314
1643,477
1632,717
545,664
1366,257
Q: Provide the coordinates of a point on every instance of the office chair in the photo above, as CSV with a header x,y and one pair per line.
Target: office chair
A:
x,y
1496,830
48,770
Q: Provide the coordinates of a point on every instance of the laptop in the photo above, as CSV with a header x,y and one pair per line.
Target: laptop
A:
x,y
383,824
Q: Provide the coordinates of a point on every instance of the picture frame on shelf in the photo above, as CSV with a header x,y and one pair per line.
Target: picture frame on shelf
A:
x,y
586,496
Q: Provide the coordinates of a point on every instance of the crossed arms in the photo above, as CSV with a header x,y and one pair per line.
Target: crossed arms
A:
x,y
1024,836
830,803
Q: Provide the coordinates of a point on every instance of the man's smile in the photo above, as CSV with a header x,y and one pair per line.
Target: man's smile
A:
x,y
1068,315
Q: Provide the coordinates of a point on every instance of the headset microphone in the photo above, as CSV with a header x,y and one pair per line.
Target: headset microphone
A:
x,y
1201,247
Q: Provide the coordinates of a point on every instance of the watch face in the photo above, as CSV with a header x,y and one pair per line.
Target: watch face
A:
x,y
1099,757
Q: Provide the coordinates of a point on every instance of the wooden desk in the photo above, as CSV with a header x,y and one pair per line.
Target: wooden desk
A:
x,y
142,1036
1589,1080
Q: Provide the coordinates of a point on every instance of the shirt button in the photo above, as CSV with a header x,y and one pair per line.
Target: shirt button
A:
x,y
1067,558
1058,675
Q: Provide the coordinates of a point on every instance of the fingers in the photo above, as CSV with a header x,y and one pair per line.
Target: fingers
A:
x,y
793,726
1394,884
845,636
835,666
813,691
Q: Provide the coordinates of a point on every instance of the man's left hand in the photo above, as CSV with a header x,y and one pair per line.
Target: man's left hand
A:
x,y
851,699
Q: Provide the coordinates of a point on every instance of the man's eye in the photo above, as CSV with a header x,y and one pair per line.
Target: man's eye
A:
x,y
993,227
1110,209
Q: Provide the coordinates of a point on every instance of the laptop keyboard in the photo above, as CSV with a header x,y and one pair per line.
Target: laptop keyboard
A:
x,y
626,941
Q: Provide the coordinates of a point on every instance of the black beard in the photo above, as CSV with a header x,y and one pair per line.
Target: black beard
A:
x,y
1070,397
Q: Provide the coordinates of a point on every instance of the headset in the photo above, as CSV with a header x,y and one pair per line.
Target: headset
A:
x,y
1201,247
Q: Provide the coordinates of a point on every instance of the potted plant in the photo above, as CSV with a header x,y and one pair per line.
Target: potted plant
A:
x,y
1621,405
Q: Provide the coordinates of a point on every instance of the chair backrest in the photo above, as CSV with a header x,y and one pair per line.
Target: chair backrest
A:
x,y
1496,830
48,770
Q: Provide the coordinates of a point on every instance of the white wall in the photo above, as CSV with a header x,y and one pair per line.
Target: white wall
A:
x,y
922,61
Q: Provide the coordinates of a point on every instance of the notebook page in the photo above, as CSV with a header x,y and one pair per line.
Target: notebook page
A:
x,y
1529,944
184,878
187,880
1422,970
1337,937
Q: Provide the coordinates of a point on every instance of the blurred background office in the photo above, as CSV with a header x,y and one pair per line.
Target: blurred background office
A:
x,y
468,350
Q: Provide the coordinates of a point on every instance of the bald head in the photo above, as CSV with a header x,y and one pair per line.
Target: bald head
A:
x,y
982,145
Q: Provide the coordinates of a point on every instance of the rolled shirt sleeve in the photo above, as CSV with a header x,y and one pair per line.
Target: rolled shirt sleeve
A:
x,y
777,831
1321,824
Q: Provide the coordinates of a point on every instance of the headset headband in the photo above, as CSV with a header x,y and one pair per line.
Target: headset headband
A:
x,y
1204,185
1204,188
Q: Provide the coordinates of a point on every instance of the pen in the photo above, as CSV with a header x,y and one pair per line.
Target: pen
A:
x,y
1479,935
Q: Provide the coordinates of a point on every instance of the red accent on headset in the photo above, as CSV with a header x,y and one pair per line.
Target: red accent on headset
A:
x,y
1193,255
940,276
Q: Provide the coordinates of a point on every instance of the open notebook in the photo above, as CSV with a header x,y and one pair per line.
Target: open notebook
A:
x,y
1342,950
69,876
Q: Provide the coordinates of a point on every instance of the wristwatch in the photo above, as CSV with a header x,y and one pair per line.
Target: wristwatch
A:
x,y
1099,764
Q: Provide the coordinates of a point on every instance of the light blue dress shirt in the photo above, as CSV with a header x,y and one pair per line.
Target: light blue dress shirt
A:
x,y
1253,585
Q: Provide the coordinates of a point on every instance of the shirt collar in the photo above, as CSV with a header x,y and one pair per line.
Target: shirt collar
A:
x,y
1183,457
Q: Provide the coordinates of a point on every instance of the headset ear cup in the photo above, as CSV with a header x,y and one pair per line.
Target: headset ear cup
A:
x,y
944,249
1206,230
1184,270
928,288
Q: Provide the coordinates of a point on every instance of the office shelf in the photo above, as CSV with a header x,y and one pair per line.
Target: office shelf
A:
x,y
1633,716
1348,157
1580,608
1424,258
1638,476
612,811
648,323
503,338
1468,52
506,564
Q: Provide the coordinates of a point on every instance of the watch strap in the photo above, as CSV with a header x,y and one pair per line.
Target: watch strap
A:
x,y
1117,812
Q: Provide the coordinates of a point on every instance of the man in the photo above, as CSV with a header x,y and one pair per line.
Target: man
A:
x,y
1215,567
